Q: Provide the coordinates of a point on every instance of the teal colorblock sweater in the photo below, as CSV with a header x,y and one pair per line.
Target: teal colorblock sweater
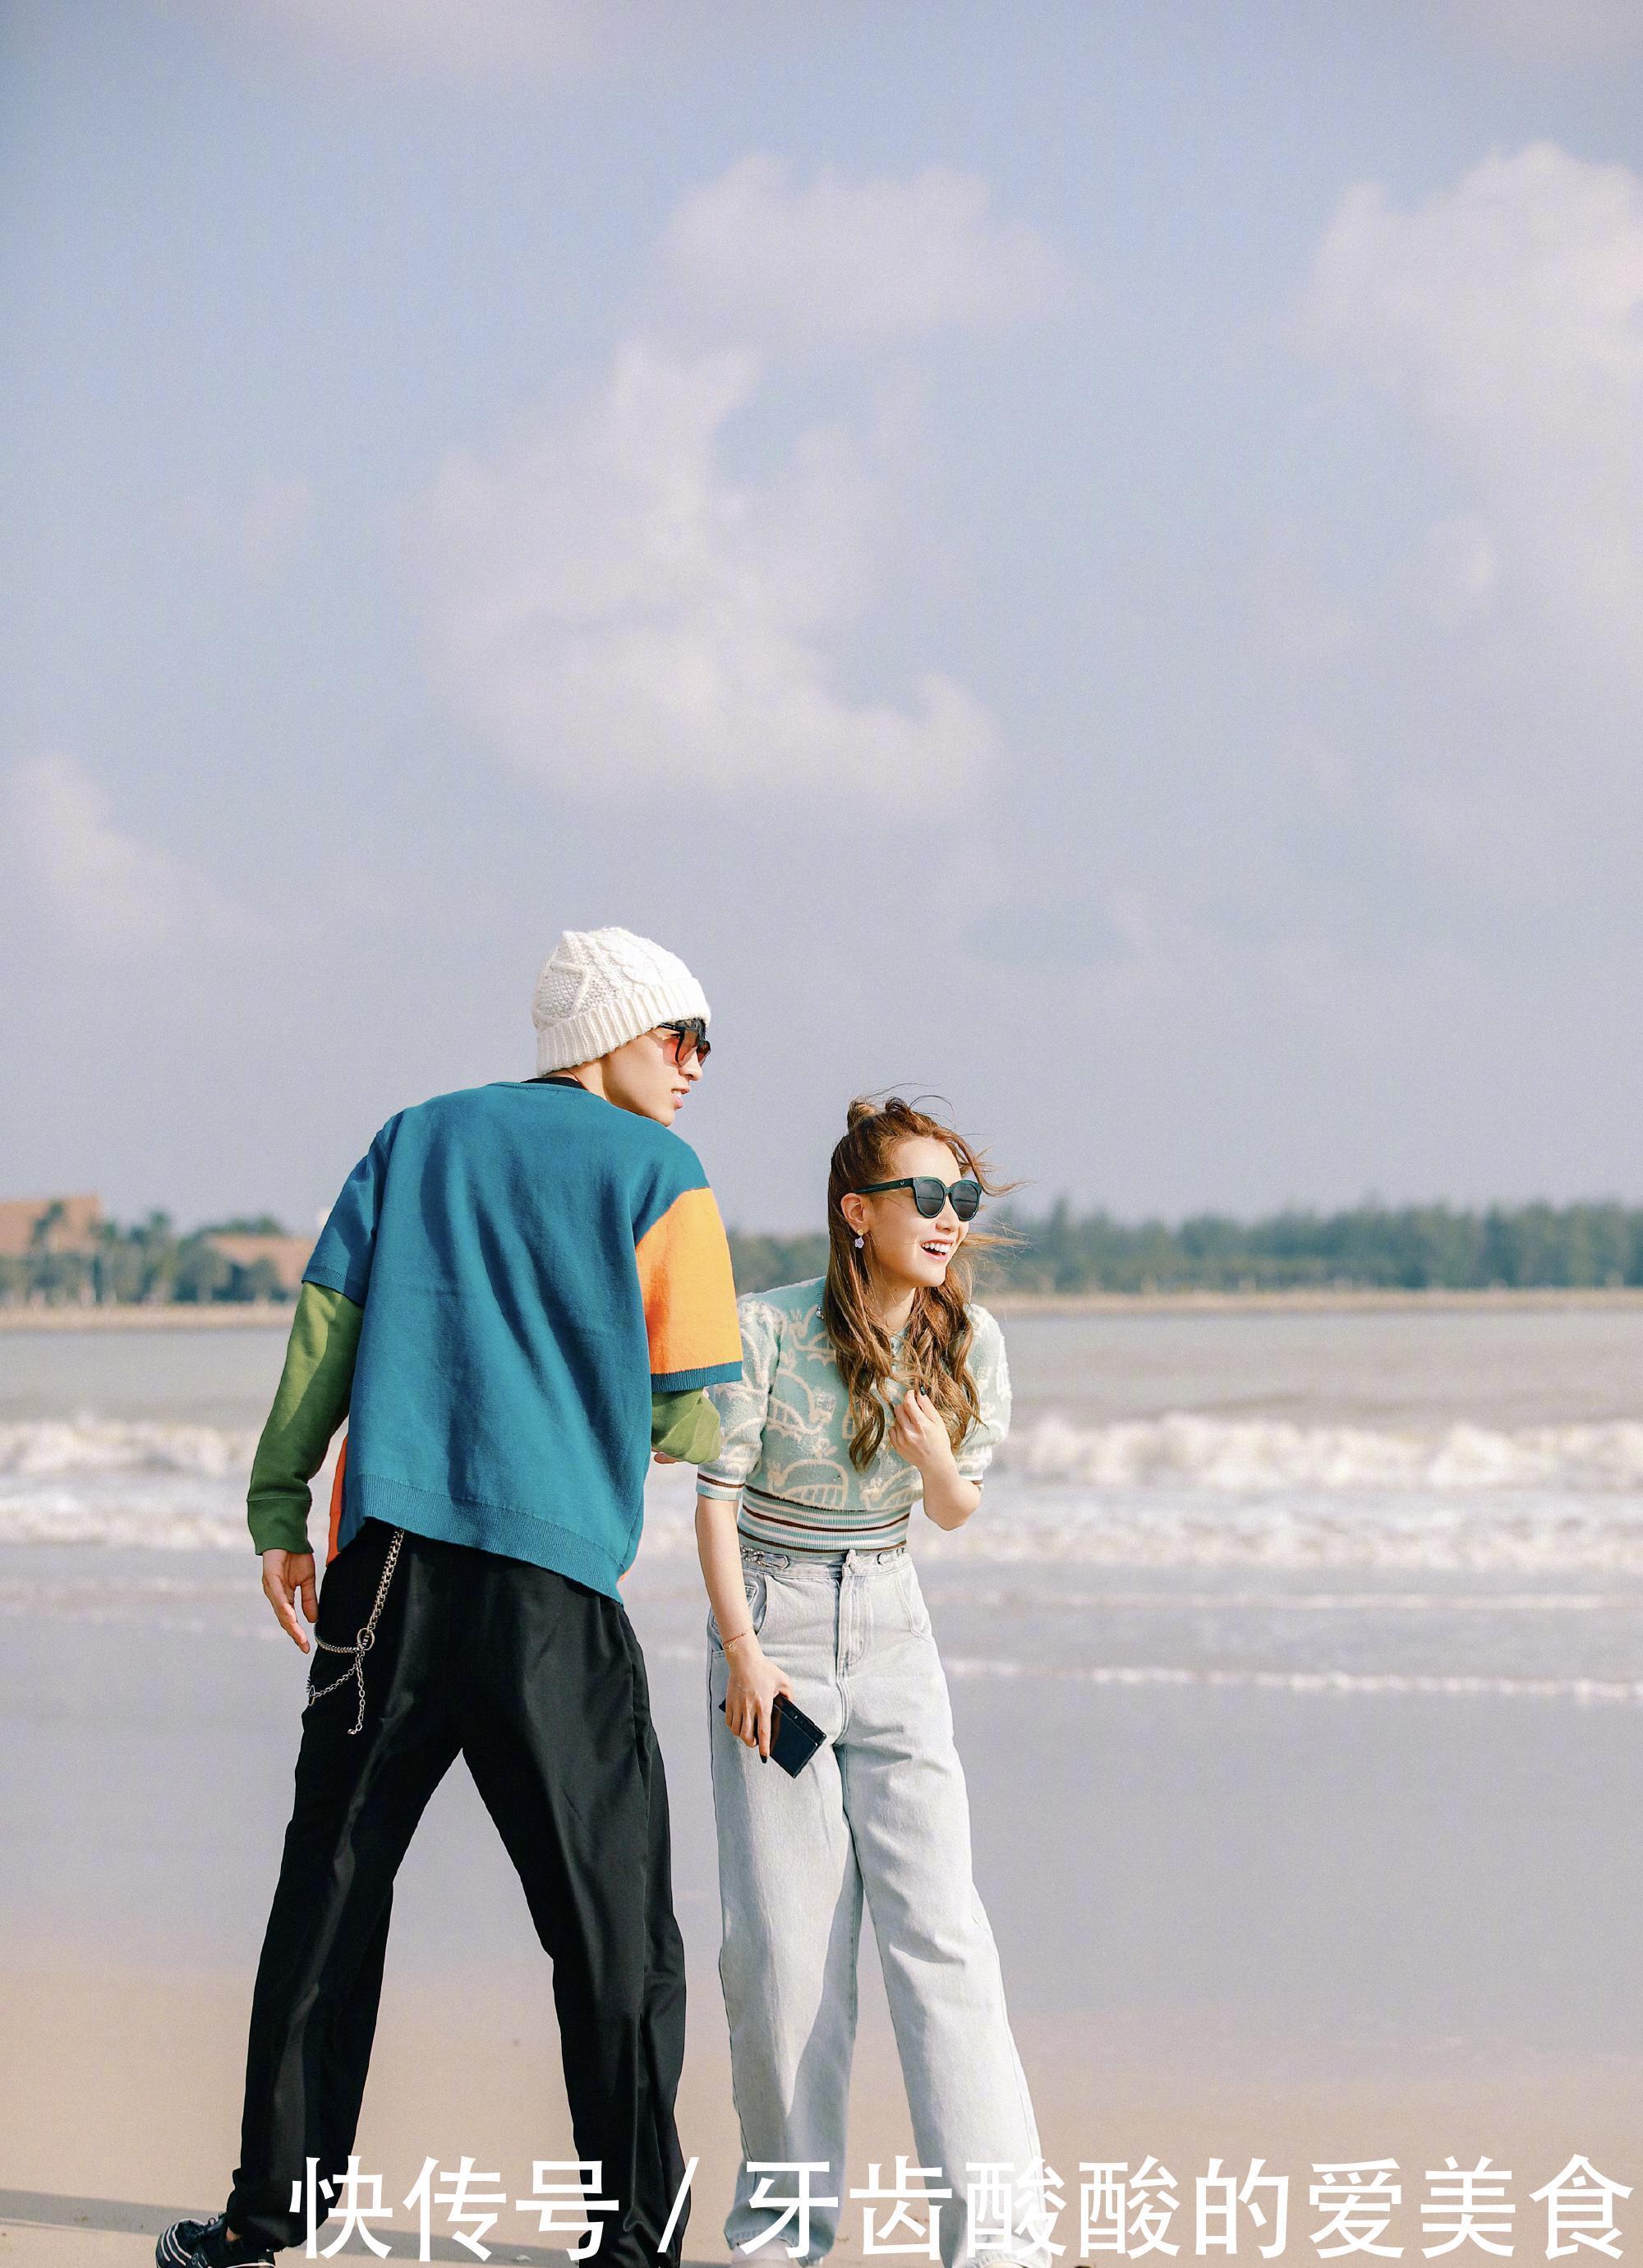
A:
x,y
533,1264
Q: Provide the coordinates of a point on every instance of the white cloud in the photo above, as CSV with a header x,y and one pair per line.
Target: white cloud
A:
x,y
616,608
107,893
1508,312
838,258
616,605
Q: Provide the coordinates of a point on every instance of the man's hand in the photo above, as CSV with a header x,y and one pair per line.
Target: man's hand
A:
x,y
287,1575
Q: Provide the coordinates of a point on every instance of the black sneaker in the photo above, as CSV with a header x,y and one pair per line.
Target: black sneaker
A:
x,y
204,2244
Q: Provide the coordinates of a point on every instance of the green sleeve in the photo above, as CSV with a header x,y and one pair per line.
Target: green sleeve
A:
x,y
311,1403
685,1425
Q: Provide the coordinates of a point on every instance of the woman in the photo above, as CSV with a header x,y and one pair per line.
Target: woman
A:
x,y
861,1393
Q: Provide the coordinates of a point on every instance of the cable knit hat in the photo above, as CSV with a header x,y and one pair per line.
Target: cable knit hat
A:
x,y
600,988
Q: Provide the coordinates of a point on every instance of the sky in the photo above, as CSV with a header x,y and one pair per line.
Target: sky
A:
x,y
1084,559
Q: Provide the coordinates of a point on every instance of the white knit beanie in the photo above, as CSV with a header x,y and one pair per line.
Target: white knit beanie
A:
x,y
600,988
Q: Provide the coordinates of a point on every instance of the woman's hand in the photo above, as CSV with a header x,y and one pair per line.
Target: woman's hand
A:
x,y
917,1434
754,1682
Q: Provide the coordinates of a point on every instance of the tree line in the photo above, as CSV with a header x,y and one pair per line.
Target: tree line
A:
x,y
1402,1247
1405,1248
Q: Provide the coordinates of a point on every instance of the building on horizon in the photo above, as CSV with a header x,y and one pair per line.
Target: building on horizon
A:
x,y
61,1224
285,1257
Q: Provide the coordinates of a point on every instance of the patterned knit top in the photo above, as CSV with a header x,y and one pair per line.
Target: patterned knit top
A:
x,y
786,1448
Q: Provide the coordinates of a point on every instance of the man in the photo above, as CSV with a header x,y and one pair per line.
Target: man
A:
x,y
520,1295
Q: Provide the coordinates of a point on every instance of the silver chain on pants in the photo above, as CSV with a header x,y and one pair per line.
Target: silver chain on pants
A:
x,y
361,1645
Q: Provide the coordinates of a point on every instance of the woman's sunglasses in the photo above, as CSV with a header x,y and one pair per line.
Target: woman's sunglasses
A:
x,y
929,1194
690,1040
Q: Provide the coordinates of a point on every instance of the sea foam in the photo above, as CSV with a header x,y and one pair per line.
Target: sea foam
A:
x,y
1178,1491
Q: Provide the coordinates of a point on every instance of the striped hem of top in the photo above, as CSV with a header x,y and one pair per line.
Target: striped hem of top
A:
x,y
778,1521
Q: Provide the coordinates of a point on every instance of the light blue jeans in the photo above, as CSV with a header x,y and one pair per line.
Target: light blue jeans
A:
x,y
881,1808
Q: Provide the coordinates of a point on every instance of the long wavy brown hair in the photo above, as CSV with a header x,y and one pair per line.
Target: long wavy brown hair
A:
x,y
935,1353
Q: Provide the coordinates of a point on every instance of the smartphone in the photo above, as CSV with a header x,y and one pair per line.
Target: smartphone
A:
x,y
794,1737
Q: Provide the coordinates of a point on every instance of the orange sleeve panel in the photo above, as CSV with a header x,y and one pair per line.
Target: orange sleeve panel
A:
x,y
336,1500
689,1296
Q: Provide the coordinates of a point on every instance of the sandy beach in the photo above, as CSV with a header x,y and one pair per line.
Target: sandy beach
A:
x,y
120,2127
1234,1922
1328,1299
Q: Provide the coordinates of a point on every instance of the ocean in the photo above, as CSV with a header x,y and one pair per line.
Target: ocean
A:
x,y
1329,1501
1292,1658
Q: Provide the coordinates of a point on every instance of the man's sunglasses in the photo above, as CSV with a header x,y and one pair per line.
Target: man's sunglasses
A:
x,y
929,1194
691,1040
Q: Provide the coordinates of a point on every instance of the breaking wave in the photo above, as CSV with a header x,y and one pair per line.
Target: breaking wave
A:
x,y
1265,1452
1178,1451
142,1484
57,1448
1177,1491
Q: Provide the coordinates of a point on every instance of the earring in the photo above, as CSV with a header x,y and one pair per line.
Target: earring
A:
x,y
860,1240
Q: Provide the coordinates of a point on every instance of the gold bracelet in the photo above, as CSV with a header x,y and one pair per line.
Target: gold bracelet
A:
x,y
739,1634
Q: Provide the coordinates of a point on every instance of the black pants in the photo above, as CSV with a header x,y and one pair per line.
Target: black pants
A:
x,y
538,1683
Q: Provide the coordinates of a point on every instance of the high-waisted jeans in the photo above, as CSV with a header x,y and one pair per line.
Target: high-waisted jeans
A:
x,y
882,1808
